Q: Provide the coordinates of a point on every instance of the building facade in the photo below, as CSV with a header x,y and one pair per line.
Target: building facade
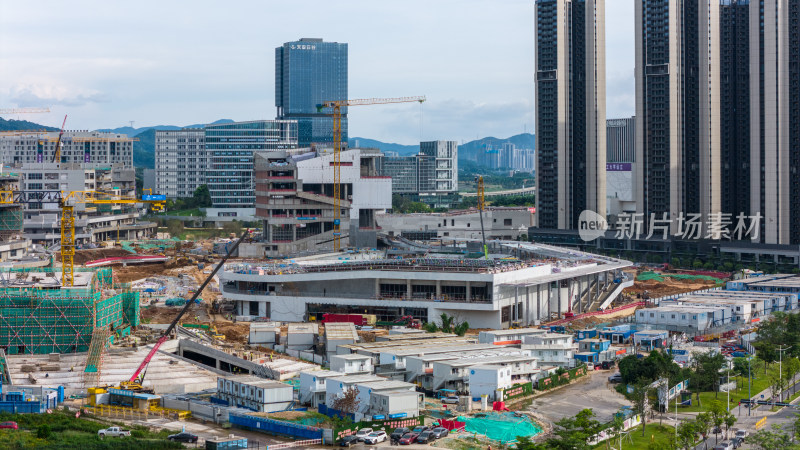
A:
x,y
717,95
309,72
677,108
181,162
230,148
430,176
570,110
294,199
77,147
621,140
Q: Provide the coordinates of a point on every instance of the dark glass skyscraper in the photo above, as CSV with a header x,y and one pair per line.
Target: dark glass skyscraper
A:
x,y
570,111
307,73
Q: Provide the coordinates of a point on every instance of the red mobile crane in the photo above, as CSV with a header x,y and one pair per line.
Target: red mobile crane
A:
x,y
135,382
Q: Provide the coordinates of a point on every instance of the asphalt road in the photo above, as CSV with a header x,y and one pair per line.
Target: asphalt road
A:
x,y
594,392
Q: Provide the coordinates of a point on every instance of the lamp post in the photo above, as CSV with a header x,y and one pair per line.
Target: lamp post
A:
x,y
749,386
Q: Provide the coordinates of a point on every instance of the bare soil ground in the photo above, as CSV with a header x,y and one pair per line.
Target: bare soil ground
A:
x,y
670,286
84,256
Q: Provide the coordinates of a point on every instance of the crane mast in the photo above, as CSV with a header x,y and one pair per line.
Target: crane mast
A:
x,y
337,150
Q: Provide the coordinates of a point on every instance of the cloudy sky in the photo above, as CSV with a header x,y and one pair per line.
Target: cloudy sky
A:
x,y
105,63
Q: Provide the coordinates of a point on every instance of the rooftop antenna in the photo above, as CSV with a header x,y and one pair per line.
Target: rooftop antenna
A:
x,y
132,122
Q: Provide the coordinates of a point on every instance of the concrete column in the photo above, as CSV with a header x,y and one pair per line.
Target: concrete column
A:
x,y
377,287
469,291
558,295
438,288
538,302
294,234
526,316
514,311
408,288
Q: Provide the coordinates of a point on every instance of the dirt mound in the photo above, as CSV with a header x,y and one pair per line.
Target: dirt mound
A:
x,y
137,272
670,286
84,256
234,332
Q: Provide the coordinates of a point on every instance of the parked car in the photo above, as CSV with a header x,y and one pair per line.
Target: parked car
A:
x,y
616,378
9,426
737,442
440,432
375,437
741,434
113,432
451,399
408,438
398,433
183,437
420,429
724,445
362,433
426,437
347,441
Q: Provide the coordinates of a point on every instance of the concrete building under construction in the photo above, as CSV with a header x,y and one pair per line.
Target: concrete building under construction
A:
x,y
38,315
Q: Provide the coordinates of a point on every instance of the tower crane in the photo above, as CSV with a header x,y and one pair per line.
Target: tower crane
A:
x,y
337,149
24,110
67,202
481,207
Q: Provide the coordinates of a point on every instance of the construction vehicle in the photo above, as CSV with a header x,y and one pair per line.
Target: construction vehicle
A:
x,y
337,150
136,380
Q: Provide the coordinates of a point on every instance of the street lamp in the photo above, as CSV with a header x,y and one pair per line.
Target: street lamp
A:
x,y
749,386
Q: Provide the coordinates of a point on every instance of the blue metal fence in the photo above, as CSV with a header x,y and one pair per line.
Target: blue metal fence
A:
x,y
265,425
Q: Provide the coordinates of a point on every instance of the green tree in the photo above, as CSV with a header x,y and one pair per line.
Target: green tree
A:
x,y
773,439
791,367
201,197
571,433
687,434
174,227
718,414
234,227
640,399
703,424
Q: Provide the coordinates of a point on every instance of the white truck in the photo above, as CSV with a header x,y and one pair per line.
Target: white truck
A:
x,y
113,432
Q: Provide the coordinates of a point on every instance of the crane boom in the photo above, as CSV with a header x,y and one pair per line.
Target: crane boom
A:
x,y
57,152
186,307
24,110
481,207
337,149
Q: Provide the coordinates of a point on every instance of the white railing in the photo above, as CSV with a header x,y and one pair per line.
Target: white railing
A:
x,y
305,443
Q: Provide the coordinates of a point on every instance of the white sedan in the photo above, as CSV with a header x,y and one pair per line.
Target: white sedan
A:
x,y
375,437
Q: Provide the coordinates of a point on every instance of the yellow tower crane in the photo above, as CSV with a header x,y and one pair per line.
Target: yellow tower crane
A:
x,y
68,203
337,149
481,207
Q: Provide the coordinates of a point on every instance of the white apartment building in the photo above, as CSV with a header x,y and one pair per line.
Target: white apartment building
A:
x,y
77,147
352,364
551,349
181,161
313,385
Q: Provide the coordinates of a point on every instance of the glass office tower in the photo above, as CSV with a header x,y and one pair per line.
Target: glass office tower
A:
x,y
307,73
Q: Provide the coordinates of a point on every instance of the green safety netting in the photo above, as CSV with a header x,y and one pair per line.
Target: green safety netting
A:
x,y
647,276
502,427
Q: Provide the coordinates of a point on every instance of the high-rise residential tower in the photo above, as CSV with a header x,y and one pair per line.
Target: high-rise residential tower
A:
x,y
307,73
718,112
570,111
677,108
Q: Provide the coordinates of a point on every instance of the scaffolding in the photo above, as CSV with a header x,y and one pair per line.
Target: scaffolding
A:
x,y
46,320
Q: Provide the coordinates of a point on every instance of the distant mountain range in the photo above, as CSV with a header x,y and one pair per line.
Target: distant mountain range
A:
x,y
11,125
136,131
467,151
144,148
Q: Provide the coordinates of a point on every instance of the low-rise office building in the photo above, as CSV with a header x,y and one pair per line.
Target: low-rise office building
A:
x,y
454,374
488,379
